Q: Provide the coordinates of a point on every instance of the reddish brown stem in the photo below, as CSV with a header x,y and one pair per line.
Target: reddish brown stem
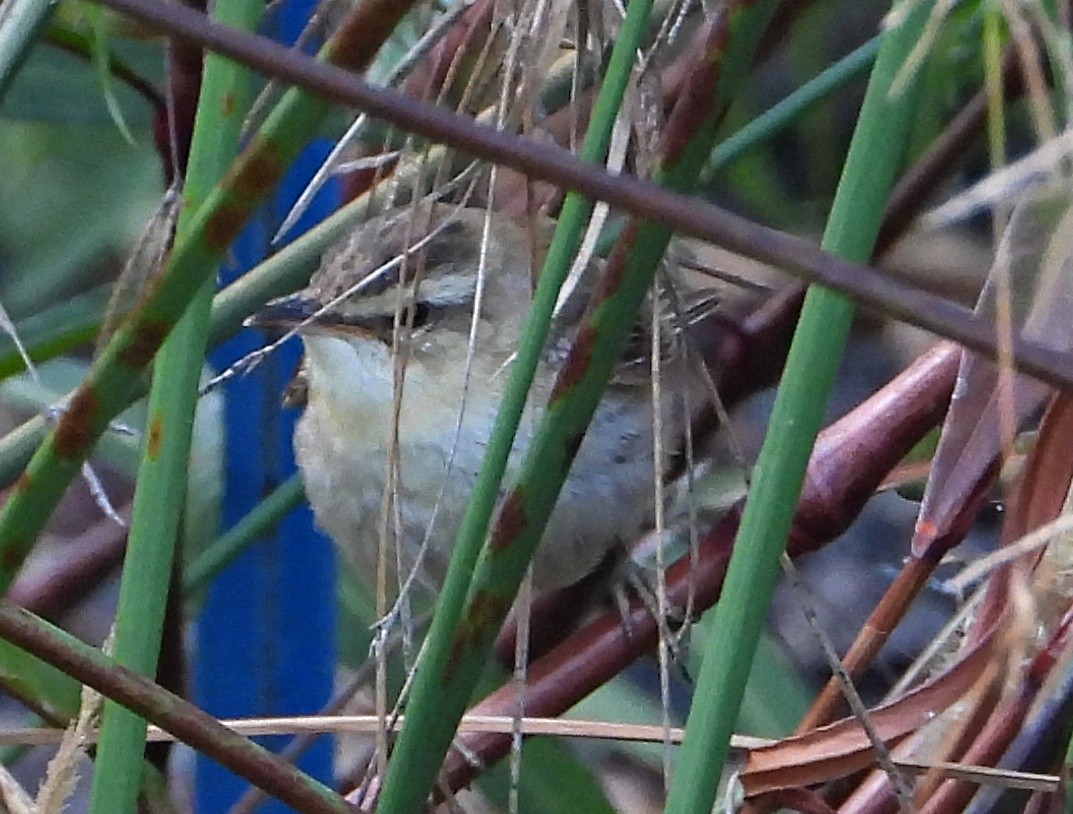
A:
x,y
87,561
870,639
173,125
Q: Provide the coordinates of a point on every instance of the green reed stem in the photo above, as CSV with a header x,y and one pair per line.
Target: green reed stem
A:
x,y
875,155
161,487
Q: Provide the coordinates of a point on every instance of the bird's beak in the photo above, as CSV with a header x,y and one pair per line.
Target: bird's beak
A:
x,y
300,312
284,313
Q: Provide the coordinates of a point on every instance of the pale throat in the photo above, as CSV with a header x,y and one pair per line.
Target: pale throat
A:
x,y
352,386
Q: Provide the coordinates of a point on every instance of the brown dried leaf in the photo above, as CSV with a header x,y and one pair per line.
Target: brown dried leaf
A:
x,y
842,748
1029,289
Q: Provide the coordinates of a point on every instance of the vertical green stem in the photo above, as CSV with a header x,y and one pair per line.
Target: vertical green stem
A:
x,y
875,155
417,755
996,118
161,487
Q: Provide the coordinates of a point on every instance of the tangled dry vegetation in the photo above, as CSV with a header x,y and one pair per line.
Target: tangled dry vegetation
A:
x,y
952,215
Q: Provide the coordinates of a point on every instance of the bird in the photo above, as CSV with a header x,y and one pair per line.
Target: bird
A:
x,y
409,328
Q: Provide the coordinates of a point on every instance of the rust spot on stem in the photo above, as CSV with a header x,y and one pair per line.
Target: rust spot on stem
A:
x,y
485,612
576,365
509,522
224,225
356,42
258,170
75,430
257,173
615,270
23,482
148,336
153,439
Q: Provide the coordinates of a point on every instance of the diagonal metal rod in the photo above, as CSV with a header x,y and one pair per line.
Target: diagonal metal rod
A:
x,y
686,215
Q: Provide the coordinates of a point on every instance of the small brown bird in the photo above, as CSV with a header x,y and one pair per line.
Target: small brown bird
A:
x,y
428,295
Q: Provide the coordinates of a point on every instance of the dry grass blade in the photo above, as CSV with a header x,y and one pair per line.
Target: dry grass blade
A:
x,y
143,265
13,797
7,326
849,690
1037,172
62,770
549,727
1043,536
